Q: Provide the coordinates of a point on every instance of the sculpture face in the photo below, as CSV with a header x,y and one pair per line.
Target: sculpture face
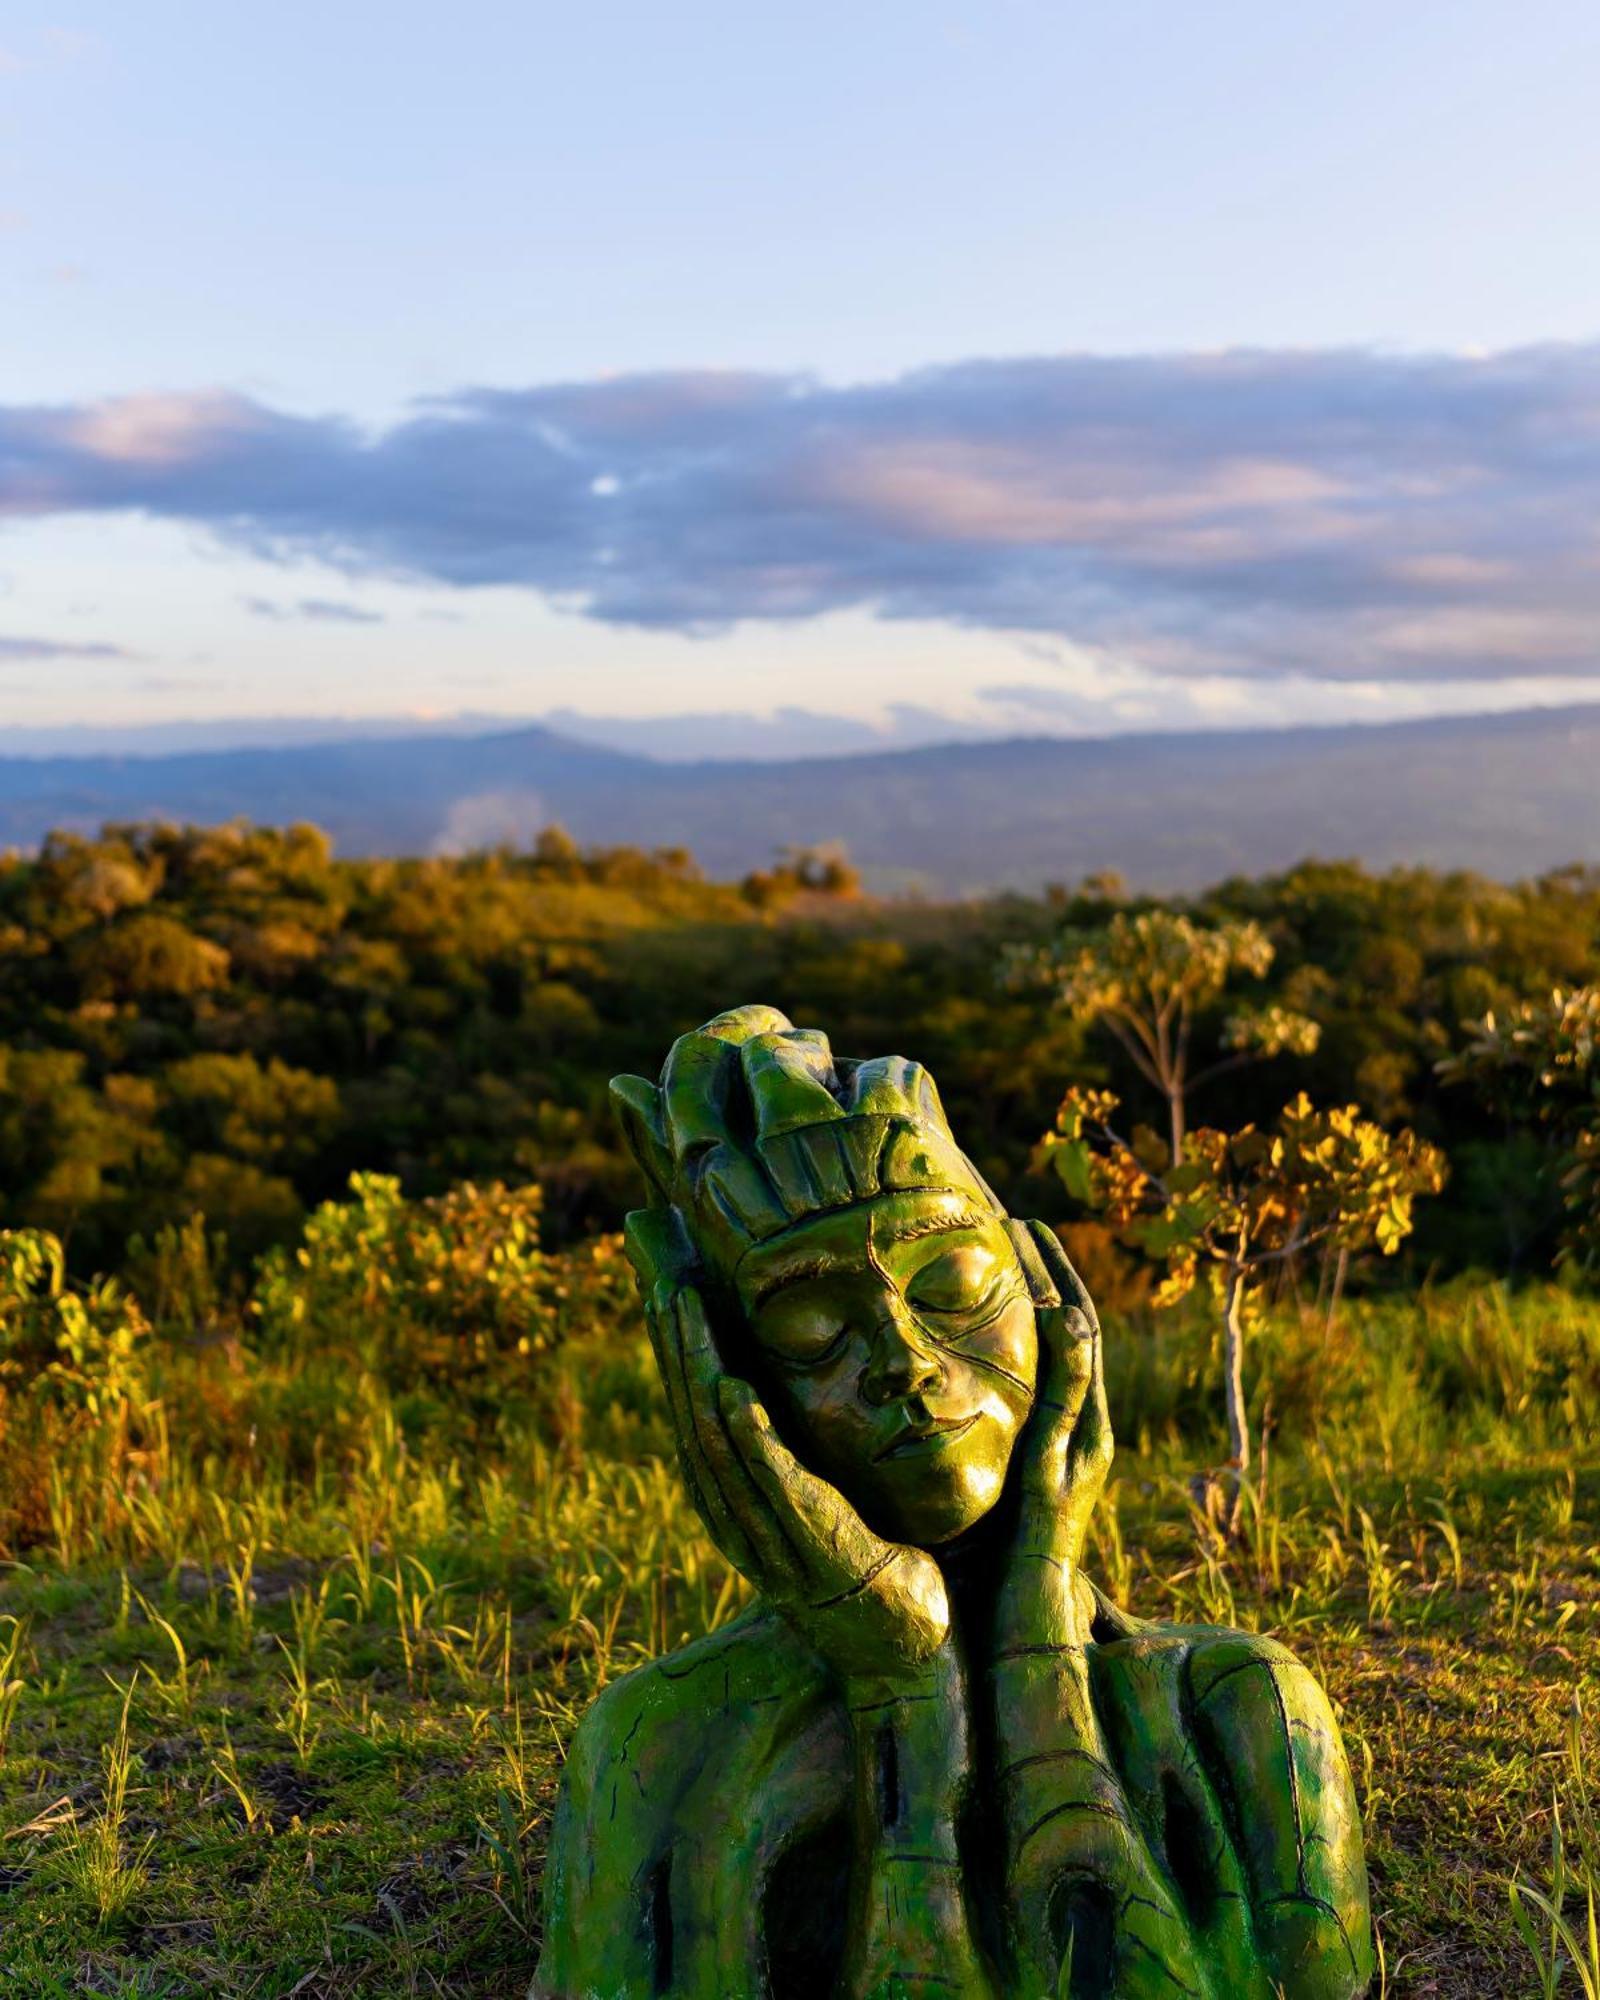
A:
x,y
900,1342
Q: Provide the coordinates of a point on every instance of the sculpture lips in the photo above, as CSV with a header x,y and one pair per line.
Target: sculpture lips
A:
x,y
931,1436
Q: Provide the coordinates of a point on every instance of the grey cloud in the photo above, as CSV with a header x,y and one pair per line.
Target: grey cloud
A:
x,y
326,610
60,649
1335,515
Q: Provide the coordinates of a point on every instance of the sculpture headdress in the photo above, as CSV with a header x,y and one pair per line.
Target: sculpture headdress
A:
x,y
756,1126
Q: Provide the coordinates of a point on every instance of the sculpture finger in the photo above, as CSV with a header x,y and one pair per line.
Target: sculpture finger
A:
x,y
703,1491
658,1320
1077,1359
761,1529
1066,1326
766,1506
1062,1274
1092,1440
834,1546
1068,1342
1065,1369
658,1247
701,1470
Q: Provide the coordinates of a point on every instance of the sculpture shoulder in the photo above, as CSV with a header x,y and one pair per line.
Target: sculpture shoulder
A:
x,y
1264,1733
667,1754
709,1718
733,1678
1260,1711
1238,1688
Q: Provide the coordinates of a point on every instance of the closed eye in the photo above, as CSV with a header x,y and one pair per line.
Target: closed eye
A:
x,y
802,1339
814,1357
963,1280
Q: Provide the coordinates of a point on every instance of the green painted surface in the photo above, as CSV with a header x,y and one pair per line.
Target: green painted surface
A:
x,y
934,1760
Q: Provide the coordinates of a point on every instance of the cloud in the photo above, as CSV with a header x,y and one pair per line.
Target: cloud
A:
x,y
60,649
1342,515
325,609
486,819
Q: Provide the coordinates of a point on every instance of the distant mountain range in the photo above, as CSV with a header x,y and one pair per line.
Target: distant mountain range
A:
x,y
1508,795
684,737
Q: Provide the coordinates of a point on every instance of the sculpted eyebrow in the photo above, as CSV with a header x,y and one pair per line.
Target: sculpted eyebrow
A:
x,y
824,1267
795,1274
934,1225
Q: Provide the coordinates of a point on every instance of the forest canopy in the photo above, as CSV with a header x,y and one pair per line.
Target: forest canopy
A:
x,y
230,1021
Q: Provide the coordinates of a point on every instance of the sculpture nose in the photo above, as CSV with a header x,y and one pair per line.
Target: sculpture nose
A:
x,y
902,1363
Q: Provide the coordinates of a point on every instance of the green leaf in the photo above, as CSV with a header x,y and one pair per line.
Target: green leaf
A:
x,y
1072,1158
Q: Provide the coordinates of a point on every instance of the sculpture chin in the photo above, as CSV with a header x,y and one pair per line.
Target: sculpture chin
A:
x,y
930,1495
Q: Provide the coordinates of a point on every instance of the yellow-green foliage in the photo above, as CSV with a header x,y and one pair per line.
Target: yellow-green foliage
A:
x,y
433,1290
1546,1055
74,1350
205,1018
392,1320
1148,976
1243,1199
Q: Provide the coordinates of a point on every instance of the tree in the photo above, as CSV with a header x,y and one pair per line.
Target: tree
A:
x,y
148,957
1543,1058
1240,1203
1146,976
821,870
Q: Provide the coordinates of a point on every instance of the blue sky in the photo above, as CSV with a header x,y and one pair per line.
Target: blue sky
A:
x,y
640,360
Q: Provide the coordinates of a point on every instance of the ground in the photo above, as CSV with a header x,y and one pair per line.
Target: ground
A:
x,y
283,1742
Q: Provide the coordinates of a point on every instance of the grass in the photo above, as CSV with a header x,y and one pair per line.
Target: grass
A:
x,y
280,1716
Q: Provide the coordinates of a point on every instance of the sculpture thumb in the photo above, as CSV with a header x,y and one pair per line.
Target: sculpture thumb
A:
x,y
658,1247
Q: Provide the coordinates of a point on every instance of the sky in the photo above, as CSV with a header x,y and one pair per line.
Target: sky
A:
x,y
916,367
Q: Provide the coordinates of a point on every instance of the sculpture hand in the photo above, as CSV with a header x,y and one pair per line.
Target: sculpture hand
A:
x,y
1063,1458
870,1607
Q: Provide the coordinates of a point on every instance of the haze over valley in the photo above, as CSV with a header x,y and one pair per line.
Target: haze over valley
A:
x,y
1509,795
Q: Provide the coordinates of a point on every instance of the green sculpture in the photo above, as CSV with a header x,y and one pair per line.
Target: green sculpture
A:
x,y
934,1759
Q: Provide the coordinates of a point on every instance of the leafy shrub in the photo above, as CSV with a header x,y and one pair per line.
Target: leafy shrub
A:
x,y
434,1291
74,1350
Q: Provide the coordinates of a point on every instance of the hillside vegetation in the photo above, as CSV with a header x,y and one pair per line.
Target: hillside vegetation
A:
x,y
232,1022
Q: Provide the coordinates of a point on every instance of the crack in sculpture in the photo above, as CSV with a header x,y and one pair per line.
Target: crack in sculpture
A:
x,y
939,1758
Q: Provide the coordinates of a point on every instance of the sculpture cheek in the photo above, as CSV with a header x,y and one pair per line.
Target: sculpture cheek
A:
x,y
1005,1348
827,1425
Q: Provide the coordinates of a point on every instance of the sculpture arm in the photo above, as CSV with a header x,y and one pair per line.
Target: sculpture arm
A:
x,y
1078,1869
1268,1734
598,1941
909,1929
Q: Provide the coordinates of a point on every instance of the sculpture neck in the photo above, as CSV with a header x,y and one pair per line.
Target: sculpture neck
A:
x,y
971,1566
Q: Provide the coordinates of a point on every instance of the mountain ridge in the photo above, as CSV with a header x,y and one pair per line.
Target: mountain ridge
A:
x,y
1507,794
